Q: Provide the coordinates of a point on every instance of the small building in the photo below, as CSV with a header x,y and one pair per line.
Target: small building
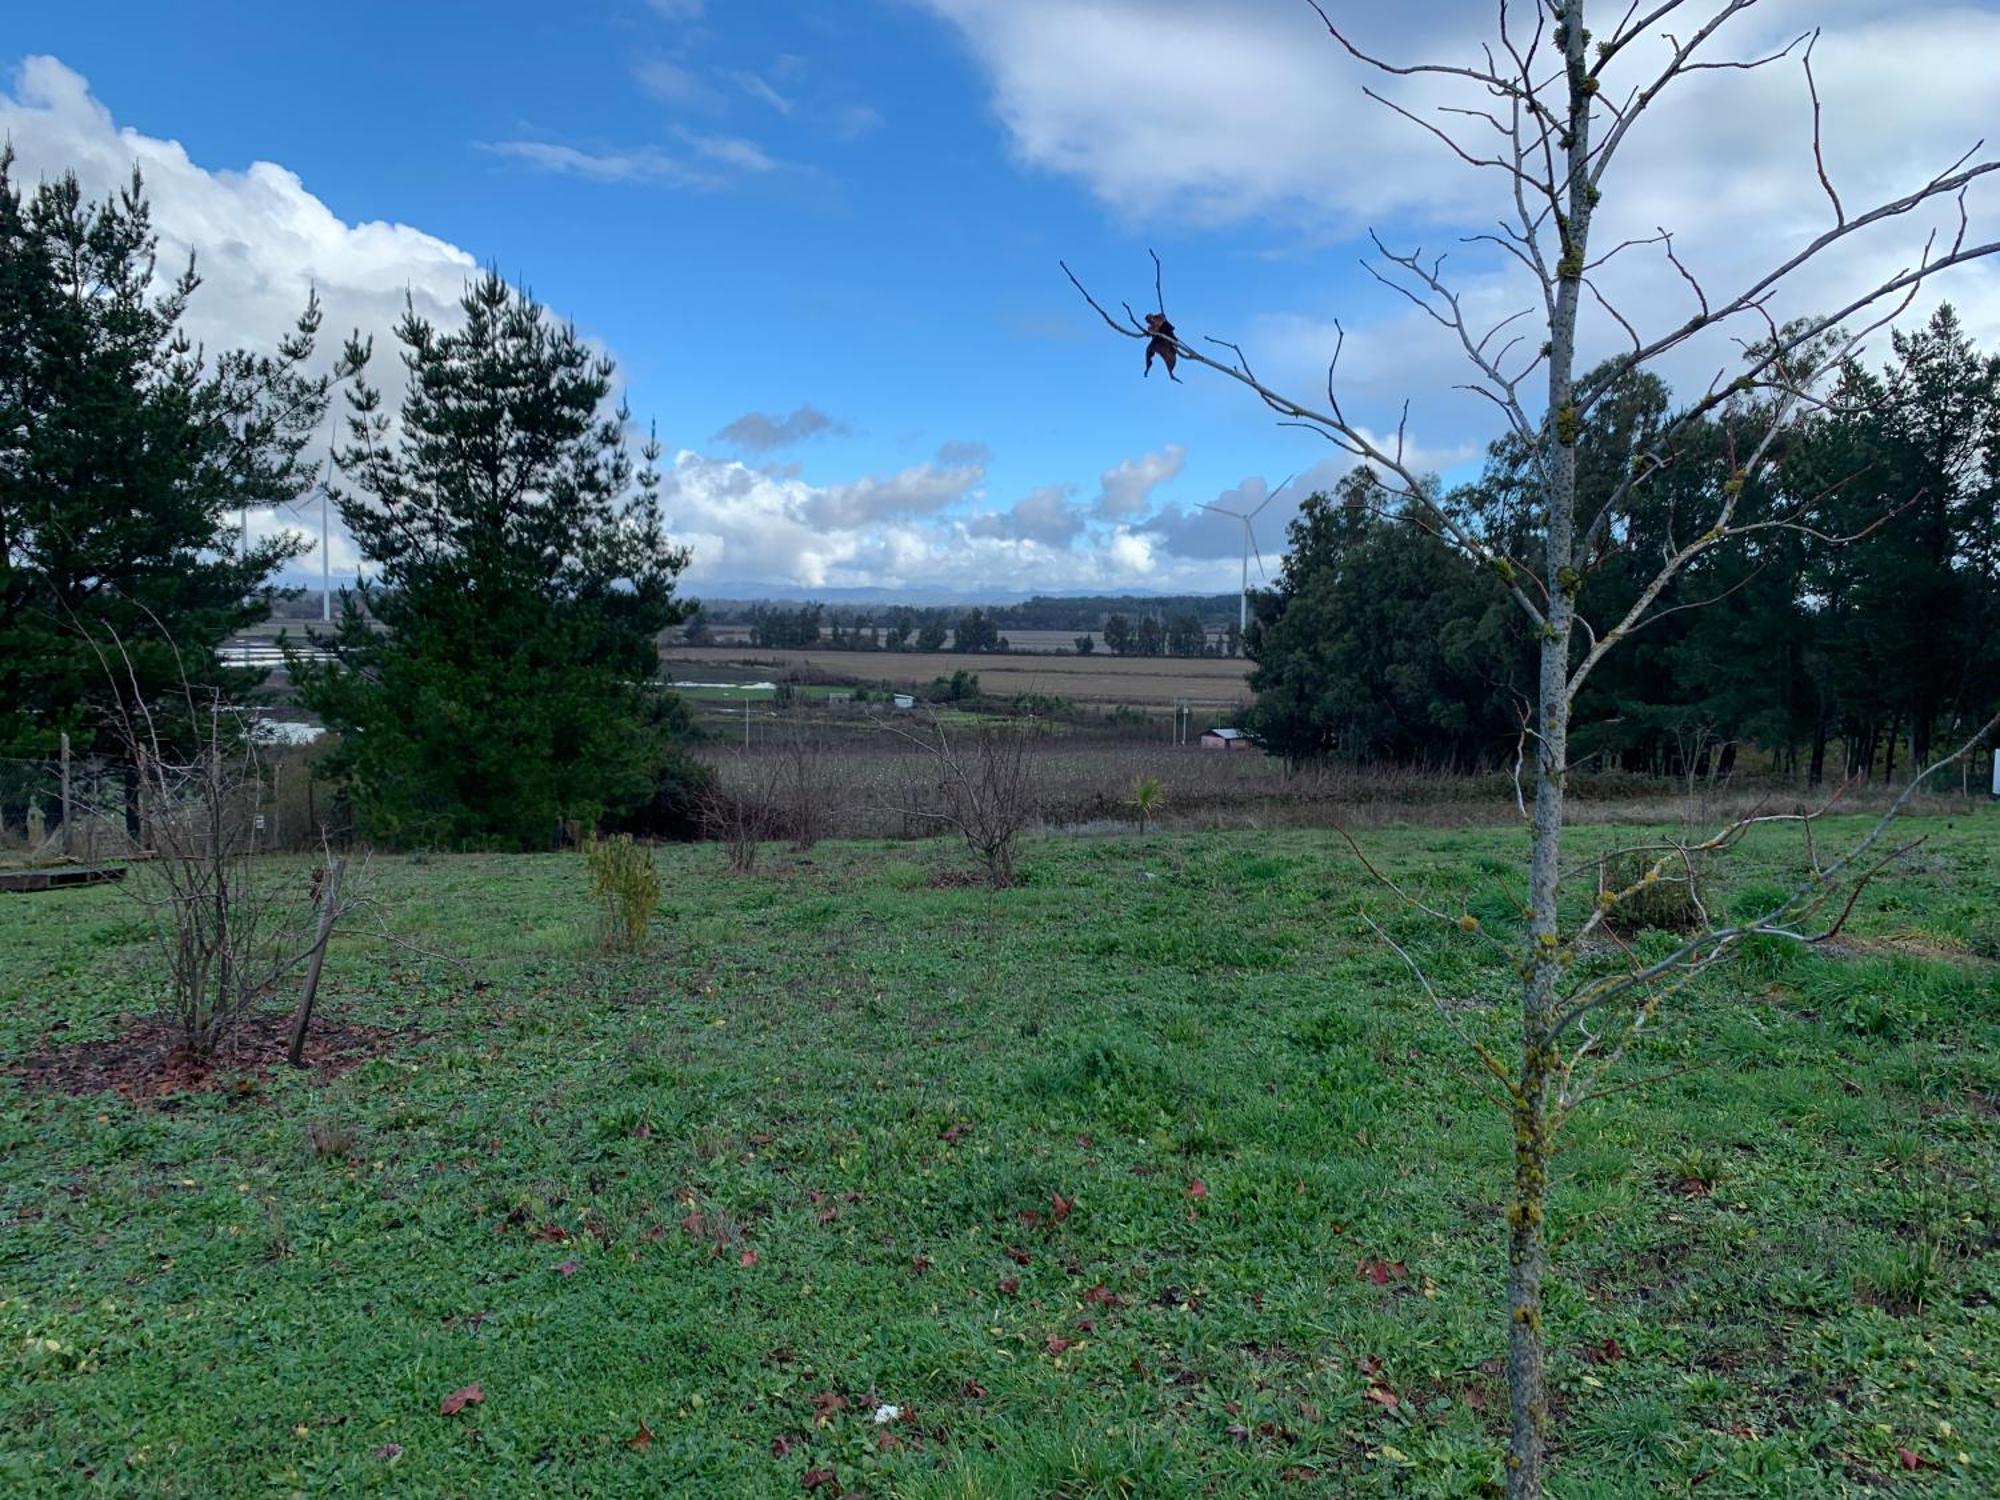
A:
x,y
904,701
1226,739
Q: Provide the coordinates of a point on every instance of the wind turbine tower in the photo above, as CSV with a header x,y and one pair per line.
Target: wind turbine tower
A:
x,y
1249,546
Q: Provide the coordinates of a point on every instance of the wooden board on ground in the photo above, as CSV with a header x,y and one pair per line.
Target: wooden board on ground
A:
x,y
56,877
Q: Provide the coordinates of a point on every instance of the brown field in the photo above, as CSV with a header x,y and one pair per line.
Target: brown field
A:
x,y
1151,682
1082,782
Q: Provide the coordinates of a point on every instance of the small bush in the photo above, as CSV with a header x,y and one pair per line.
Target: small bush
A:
x,y
626,883
331,1138
1641,897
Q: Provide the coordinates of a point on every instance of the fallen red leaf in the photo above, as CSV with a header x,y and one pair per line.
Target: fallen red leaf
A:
x,y
1910,1459
554,1234
826,1403
818,1479
1059,1207
884,1441
1084,1141
1098,1296
569,1268
781,1445
389,1452
1382,1396
1381,1272
1238,1432
1605,1353
641,1440
747,1258
921,1264
1019,1256
1371,1364
1009,1285
1197,1189
1032,1217
972,1390
1057,1343
828,1214
458,1400
955,1134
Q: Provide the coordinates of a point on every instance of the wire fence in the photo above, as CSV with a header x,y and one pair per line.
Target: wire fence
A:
x,y
87,808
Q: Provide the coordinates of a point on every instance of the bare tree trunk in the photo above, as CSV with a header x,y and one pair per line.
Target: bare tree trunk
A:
x,y
329,903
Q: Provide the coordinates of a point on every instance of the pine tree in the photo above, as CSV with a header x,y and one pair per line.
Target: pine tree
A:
x,y
497,673
126,457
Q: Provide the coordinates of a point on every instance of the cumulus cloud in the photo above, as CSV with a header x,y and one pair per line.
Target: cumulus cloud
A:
x,y
760,432
1047,515
262,241
1127,487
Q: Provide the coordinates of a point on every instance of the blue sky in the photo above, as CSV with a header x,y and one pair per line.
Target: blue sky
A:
x,y
821,236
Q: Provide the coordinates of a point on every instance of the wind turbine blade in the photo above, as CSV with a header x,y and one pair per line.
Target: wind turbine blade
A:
x,y
1274,493
1220,511
1251,537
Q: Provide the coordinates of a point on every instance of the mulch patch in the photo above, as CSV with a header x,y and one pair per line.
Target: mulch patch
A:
x,y
146,1060
952,879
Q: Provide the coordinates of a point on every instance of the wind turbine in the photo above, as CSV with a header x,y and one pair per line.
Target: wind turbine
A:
x,y
1249,546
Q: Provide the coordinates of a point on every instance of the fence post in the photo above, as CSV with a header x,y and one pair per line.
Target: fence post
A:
x,y
67,806
329,903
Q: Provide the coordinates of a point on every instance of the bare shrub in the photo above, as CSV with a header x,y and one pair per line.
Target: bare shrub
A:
x,y
741,806
626,884
980,785
230,924
805,785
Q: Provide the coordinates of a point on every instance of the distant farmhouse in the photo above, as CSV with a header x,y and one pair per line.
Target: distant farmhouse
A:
x,y
1226,739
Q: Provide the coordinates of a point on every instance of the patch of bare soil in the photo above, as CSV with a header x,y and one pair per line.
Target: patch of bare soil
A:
x,y
1904,945
145,1059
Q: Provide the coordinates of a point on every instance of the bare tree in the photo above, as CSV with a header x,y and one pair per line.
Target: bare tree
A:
x,y
1547,111
805,774
980,786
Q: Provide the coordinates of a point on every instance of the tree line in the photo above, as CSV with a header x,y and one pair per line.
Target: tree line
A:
x,y
1853,632
931,629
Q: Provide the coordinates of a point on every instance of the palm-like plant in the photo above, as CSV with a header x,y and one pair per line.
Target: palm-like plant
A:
x,y
1147,795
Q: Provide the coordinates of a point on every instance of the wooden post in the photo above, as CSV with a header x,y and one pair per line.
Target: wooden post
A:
x,y
68,808
329,903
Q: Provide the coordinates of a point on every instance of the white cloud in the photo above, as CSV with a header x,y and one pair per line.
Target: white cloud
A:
x,y
672,84
1047,515
716,161
1126,488
262,240
761,91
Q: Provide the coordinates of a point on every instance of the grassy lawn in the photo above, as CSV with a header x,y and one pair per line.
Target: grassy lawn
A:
x,y
1150,1177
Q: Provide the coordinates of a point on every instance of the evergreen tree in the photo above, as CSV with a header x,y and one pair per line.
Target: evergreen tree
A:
x,y
1380,642
1118,635
503,676
125,460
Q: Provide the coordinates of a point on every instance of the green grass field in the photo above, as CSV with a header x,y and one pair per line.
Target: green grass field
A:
x,y
1150,1177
